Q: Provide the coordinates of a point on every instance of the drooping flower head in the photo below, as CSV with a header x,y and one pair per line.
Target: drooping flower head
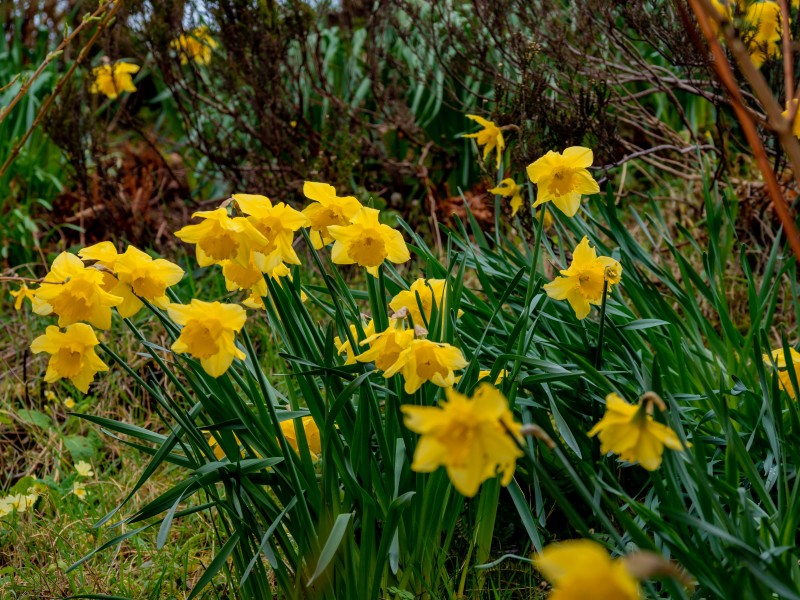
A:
x,y
220,237
112,80
582,283
563,178
425,360
367,242
72,354
75,293
327,209
428,291
470,437
631,432
148,278
509,189
196,45
208,333
490,137
764,39
277,223
385,347
311,432
583,570
784,377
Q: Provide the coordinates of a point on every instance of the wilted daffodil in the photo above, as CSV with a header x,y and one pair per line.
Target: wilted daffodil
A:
x,y
764,39
425,360
784,378
582,283
112,80
311,432
219,237
631,432
147,277
385,347
196,45
277,223
509,189
490,137
428,291
75,293
367,242
470,437
583,570
72,354
21,294
327,209
208,333
563,178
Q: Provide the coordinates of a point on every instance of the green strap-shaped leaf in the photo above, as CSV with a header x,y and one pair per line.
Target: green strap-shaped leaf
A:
x,y
331,545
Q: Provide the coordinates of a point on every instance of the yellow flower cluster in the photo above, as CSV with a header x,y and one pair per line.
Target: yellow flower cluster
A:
x,y
18,503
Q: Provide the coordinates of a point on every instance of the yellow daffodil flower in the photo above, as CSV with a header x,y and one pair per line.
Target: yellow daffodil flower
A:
x,y
112,80
24,292
311,432
219,237
509,189
277,223
490,137
484,374
75,293
72,354
784,378
563,178
428,291
327,209
367,242
583,570
196,45
105,256
582,283
468,436
344,347
631,432
425,360
208,333
84,469
385,347
764,42
148,278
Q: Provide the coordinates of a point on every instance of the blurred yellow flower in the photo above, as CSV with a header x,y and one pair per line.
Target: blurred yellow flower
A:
x,y
219,237
148,278
764,40
367,242
69,403
470,437
84,469
428,291
196,45
385,347
490,137
112,80
327,209
344,347
21,294
277,223
582,283
784,377
631,432
72,354
79,490
785,114
208,333
75,293
49,396
583,570
18,502
563,178
483,374
509,189
425,360
311,432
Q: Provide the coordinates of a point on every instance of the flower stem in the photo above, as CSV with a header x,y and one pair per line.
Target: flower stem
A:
x,y
598,357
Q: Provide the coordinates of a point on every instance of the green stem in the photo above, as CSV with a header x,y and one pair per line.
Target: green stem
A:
x,y
598,357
